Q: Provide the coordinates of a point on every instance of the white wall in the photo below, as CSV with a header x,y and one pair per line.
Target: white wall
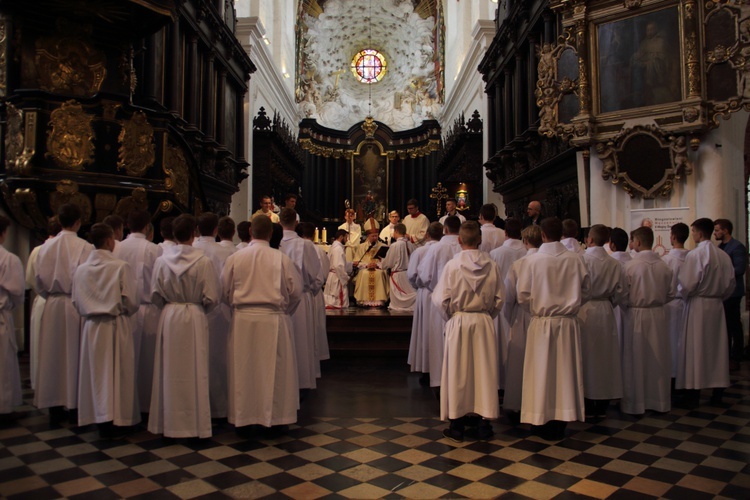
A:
x,y
268,87
715,189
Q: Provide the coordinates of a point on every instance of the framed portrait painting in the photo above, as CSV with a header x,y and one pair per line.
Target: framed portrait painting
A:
x,y
639,61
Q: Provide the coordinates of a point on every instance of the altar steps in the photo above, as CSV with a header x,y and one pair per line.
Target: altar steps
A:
x,y
365,331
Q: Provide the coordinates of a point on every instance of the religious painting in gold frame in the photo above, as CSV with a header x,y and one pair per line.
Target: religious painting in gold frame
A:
x,y
370,180
639,61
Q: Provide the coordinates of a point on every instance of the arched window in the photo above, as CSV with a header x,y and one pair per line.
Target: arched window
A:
x,y
369,66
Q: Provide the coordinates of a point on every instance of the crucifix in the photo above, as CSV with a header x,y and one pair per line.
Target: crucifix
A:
x,y
439,193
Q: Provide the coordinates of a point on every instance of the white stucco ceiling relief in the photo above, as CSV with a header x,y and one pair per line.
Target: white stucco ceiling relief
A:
x,y
329,92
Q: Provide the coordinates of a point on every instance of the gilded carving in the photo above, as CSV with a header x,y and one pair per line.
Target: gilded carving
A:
x,y
70,140
632,4
104,203
4,28
69,64
176,168
612,154
16,207
369,126
690,114
66,191
136,201
549,90
137,151
14,141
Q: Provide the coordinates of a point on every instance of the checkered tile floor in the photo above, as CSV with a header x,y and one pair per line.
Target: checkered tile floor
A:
x,y
682,454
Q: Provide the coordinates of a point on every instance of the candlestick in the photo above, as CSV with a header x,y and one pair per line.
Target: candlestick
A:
x,y
325,236
316,238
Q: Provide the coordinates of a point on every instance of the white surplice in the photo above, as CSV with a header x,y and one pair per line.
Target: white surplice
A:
x,y
492,237
12,288
106,296
429,271
504,256
336,293
386,234
219,324
706,279
416,228
35,319
622,258
402,293
418,357
646,363
263,381
141,254
600,343
457,214
186,287
468,295
321,333
555,284
355,235
518,317
167,244
675,308
302,252
241,245
60,329
573,245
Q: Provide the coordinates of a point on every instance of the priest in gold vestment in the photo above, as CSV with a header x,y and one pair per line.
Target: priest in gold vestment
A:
x,y
371,283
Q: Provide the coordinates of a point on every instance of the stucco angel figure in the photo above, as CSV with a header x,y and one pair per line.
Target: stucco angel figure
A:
x,y
680,157
606,155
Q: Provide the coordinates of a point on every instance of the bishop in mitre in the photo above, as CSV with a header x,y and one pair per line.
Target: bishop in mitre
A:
x,y
371,283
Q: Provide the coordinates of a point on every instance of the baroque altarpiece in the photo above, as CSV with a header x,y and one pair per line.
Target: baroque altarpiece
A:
x,y
116,104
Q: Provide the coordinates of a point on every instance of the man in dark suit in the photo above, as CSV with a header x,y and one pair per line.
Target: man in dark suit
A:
x,y
738,253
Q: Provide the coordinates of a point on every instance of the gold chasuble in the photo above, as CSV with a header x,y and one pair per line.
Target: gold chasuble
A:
x,y
371,283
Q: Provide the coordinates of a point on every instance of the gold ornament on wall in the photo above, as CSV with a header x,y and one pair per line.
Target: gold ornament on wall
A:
x,y
70,64
176,168
66,191
136,201
70,140
137,150
20,142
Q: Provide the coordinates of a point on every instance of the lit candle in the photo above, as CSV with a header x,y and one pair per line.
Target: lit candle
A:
x,y
325,235
316,239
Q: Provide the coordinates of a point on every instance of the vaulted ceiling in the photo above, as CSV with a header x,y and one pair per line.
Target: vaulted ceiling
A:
x,y
407,32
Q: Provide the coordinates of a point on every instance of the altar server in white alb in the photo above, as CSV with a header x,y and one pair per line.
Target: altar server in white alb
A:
x,y
263,380
355,233
450,209
518,318
165,230
468,295
105,294
141,254
416,223
504,256
429,273
706,279
619,242
600,343
336,292
492,236
302,252
243,233
570,236
220,318
555,283
396,260
37,307
675,308
186,287
11,296
307,231
646,363
418,357
60,329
